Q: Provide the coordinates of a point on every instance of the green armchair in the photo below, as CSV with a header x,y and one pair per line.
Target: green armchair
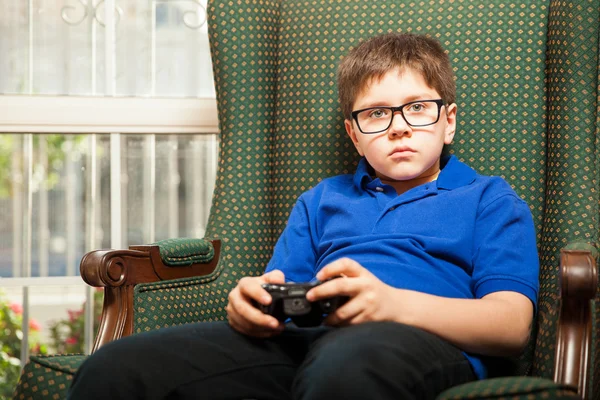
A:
x,y
527,76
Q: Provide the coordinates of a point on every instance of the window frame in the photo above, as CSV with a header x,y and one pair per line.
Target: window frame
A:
x,y
77,114
28,115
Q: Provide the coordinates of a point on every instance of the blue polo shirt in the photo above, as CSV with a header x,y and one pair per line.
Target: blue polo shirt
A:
x,y
463,235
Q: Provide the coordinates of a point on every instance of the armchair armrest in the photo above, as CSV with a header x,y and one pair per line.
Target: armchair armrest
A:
x,y
118,271
578,285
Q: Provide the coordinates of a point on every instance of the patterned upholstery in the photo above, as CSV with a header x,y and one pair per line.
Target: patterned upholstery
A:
x,y
527,95
178,302
48,377
510,389
184,251
289,82
572,168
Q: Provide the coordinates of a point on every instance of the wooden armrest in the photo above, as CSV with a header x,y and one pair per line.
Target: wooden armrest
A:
x,y
118,271
578,282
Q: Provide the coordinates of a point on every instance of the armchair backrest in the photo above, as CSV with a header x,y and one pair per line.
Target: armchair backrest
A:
x,y
571,208
526,74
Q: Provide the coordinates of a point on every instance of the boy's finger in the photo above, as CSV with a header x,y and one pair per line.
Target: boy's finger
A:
x,y
335,287
343,315
341,267
252,290
254,316
275,276
246,327
238,323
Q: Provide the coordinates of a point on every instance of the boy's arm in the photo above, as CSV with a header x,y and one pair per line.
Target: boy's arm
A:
x,y
505,256
294,253
293,259
497,324
505,284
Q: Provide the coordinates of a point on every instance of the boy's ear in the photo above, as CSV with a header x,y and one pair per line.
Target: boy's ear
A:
x,y
450,123
352,133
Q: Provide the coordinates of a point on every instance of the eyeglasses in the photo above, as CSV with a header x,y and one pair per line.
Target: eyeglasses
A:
x,y
416,113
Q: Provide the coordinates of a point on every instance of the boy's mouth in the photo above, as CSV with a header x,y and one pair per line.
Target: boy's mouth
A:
x,y
401,150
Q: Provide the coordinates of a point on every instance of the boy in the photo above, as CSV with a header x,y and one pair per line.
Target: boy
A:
x,y
439,264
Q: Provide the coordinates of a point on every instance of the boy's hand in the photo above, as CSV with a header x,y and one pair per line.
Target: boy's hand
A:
x,y
370,298
242,314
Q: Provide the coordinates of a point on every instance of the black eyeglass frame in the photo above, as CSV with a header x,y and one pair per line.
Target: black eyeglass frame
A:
x,y
439,102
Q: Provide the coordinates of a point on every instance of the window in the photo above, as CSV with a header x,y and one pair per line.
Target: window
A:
x,y
108,137
63,47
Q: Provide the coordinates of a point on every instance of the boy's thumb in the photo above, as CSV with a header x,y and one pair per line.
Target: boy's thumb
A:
x,y
275,276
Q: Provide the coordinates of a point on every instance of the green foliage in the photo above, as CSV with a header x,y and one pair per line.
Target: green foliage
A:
x,y
57,147
66,336
6,149
11,319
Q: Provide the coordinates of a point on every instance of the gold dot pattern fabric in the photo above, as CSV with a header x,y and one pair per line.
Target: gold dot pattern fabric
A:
x,y
571,208
526,75
47,377
510,388
498,52
185,251
243,37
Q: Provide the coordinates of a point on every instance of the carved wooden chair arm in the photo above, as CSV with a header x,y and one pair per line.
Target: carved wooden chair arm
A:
x,y
578,282
118,271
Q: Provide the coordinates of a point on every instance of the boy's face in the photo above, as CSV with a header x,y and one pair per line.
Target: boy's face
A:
x,y
402,153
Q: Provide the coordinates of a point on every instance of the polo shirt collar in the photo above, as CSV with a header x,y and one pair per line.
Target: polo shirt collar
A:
x,y
363,174
453,174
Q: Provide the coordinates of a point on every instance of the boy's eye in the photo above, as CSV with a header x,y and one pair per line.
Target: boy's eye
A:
x,y
416,107
378,113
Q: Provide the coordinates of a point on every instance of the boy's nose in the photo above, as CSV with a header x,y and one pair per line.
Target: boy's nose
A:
x,y
399,125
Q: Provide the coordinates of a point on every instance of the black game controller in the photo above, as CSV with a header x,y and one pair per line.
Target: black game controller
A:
x,y
289,301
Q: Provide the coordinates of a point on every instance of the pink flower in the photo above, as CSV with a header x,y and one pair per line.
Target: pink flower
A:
x,y
71,340
34,325
16,308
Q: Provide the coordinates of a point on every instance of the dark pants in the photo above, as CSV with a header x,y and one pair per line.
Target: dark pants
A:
x,y
381,360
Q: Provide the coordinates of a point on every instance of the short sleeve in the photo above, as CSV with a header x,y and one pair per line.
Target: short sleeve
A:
x,y
294,252
505,250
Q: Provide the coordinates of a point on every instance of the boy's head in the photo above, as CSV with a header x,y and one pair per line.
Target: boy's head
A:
x,y
373,58
397,94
